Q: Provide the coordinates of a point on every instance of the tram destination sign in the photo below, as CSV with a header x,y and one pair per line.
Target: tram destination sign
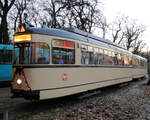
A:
x,y
64,44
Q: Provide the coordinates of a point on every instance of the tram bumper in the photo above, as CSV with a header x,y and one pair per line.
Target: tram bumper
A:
x,y
29,95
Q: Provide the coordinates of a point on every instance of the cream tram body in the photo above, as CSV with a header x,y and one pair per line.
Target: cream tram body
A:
x,y
85,65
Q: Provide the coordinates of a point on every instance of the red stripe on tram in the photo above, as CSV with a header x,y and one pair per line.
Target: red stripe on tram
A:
x,y
25,78
13,79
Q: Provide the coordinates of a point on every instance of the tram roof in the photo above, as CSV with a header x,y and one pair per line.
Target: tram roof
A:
x,y
139,57
76,34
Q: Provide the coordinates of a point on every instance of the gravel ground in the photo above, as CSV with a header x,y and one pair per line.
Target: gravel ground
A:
x,y
131,102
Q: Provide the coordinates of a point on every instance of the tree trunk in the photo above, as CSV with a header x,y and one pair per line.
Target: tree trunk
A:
x,y
1,34
4,37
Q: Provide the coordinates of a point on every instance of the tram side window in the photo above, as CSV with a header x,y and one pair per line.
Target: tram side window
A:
x,y
100,56
140,63
88,56
136,63
111,58
96,55
126,60
143,63
130,61
91,55
120,58
133,62
91,58
95,58
63,52
114,58
84,55
108,60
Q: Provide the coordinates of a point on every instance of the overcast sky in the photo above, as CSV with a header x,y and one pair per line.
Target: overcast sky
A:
x,y
135,9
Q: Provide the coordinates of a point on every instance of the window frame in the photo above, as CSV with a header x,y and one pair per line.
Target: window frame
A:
x,y
31,57
73,49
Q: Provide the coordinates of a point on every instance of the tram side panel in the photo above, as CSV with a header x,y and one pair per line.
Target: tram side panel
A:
x,y
56,82
139,72
84,79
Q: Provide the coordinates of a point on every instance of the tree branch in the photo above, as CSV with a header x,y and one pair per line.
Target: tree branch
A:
x,y
1,4
11,4
0,14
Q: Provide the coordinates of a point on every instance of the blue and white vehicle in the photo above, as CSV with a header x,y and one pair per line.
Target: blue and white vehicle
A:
x,y
5,63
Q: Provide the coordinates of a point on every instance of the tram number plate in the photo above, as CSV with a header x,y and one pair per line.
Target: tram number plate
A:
x,y
64,77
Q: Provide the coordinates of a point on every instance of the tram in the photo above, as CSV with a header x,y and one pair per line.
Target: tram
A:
x,y
52,63
6,52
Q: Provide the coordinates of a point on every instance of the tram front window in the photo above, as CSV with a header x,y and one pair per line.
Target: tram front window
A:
x,y
32,53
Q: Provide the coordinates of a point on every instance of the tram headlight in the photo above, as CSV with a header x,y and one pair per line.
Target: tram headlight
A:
x,y
19,81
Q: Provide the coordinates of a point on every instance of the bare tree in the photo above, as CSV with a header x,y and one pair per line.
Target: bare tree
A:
x,y
117,29
103,25
23,11
138,46
5,6
82,13
33,12
128,32
20,6
53,15
132,34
